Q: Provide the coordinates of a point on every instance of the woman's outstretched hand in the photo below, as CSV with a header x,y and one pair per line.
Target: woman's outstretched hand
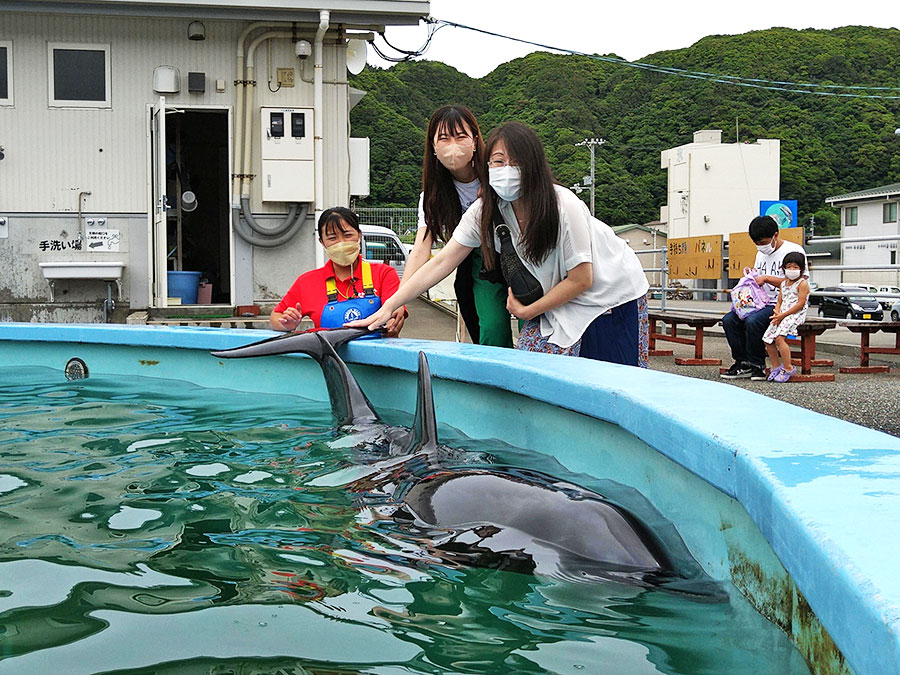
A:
x,y
372,321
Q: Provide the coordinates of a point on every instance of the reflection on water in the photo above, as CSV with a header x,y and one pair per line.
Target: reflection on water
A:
x,y
146,527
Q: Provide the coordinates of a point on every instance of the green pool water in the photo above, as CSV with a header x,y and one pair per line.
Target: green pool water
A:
x,y
152,526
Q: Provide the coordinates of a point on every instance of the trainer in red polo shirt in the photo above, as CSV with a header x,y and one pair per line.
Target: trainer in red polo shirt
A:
x,y
345,278
308,292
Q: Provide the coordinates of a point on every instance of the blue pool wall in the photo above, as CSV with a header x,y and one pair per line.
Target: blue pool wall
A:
x,y
824,493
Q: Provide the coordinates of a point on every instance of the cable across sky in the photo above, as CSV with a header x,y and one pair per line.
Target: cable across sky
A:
x,y
837,90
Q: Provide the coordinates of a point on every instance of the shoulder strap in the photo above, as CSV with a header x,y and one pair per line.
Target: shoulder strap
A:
x,y
331,289
368,286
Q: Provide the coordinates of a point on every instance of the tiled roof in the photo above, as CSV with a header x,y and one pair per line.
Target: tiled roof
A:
x,y
883,191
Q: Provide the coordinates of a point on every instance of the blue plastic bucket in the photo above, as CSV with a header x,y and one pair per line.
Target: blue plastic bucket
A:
x,y
184,285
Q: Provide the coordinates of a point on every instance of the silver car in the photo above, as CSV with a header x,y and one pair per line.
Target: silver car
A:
x,y
381,244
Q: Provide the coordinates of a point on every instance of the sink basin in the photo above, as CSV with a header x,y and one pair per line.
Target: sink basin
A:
x,y
83,269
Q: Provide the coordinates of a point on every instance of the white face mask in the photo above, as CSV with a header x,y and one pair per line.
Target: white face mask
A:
x,y
792,274
768,249
506,181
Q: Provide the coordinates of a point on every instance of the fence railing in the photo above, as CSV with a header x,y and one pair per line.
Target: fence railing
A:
x,y
401,220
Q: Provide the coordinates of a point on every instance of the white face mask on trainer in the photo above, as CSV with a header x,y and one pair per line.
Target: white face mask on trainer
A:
x,y
506,181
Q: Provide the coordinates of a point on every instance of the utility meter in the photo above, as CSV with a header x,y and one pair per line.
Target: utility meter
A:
x,y
287,155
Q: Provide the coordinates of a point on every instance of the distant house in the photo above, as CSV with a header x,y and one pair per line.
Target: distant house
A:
x,y
174,136
869,213
645,238
715,187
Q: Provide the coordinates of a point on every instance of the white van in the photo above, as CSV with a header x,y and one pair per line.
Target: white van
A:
x,y
888,302
381,244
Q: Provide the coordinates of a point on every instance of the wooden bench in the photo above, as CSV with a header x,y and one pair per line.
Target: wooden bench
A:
x,y
698,323
865,329
806,356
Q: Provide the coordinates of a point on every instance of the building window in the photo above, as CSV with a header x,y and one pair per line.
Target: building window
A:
x,y
79,75
850,215
6,83
889,213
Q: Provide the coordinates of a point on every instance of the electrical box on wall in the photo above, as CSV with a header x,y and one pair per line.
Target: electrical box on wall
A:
x,y
287,154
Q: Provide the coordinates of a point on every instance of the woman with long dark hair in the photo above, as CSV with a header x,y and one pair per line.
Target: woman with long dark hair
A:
x,y
579,288
453,172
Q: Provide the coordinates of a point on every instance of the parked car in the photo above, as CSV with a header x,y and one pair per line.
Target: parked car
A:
x,y
813,287
858,305
381,244
888,302
895,311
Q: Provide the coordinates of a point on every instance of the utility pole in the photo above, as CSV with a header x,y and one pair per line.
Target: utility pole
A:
x,y
591,143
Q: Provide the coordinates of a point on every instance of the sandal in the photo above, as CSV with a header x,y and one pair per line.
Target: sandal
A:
x,y
785,375
774,372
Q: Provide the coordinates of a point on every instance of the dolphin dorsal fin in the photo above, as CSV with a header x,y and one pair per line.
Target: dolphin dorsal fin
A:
x,y
424,426
349,404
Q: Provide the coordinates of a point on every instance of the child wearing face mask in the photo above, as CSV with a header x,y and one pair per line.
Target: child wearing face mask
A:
x,y
345,288
745,335
453,172
790,312
583,290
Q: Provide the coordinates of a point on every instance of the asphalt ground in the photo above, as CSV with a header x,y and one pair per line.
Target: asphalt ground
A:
x,y
869,400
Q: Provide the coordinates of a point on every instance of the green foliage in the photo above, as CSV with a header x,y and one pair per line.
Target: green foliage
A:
x,y
830,145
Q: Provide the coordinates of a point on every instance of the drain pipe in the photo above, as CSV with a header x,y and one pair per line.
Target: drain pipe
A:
x,y
319,123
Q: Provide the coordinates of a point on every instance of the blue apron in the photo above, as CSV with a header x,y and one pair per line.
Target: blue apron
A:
x,y
337,312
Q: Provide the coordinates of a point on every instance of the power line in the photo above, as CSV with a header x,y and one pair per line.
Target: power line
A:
x,y
734,80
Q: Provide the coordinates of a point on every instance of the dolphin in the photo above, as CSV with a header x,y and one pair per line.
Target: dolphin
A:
x,y
515,520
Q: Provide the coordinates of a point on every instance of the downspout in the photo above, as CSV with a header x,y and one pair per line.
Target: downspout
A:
x,y
319,122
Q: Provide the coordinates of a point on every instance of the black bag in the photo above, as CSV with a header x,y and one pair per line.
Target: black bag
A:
x,y
525,287
511,270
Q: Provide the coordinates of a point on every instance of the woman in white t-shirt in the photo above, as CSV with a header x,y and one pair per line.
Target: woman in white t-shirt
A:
x,y
453,170
594,288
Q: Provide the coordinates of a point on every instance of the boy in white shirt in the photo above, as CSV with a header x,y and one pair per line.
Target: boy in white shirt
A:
x,y
745,335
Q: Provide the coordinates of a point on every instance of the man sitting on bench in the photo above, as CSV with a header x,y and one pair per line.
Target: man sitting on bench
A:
x,y
745,335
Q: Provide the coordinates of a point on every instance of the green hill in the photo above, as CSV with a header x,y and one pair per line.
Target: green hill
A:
x,y
829,144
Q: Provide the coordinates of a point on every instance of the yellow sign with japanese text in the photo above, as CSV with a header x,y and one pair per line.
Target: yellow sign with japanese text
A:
x,y
742,250
695,257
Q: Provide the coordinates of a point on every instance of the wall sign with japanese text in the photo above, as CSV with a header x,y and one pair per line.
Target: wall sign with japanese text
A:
x,y
695,257
102,239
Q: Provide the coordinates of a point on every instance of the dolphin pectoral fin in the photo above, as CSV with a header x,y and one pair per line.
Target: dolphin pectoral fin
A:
x,y
424,426
293,343
349,404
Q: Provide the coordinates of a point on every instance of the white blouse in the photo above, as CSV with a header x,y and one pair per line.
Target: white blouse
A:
x,y
617,273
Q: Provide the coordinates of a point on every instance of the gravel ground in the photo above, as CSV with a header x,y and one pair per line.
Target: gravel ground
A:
x,y
869,400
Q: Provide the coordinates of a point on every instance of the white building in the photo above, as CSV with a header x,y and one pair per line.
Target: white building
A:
x,y
715,188
870,213
111,111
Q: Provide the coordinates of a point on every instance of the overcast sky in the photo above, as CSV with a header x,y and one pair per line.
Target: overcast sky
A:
x,y
630,29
